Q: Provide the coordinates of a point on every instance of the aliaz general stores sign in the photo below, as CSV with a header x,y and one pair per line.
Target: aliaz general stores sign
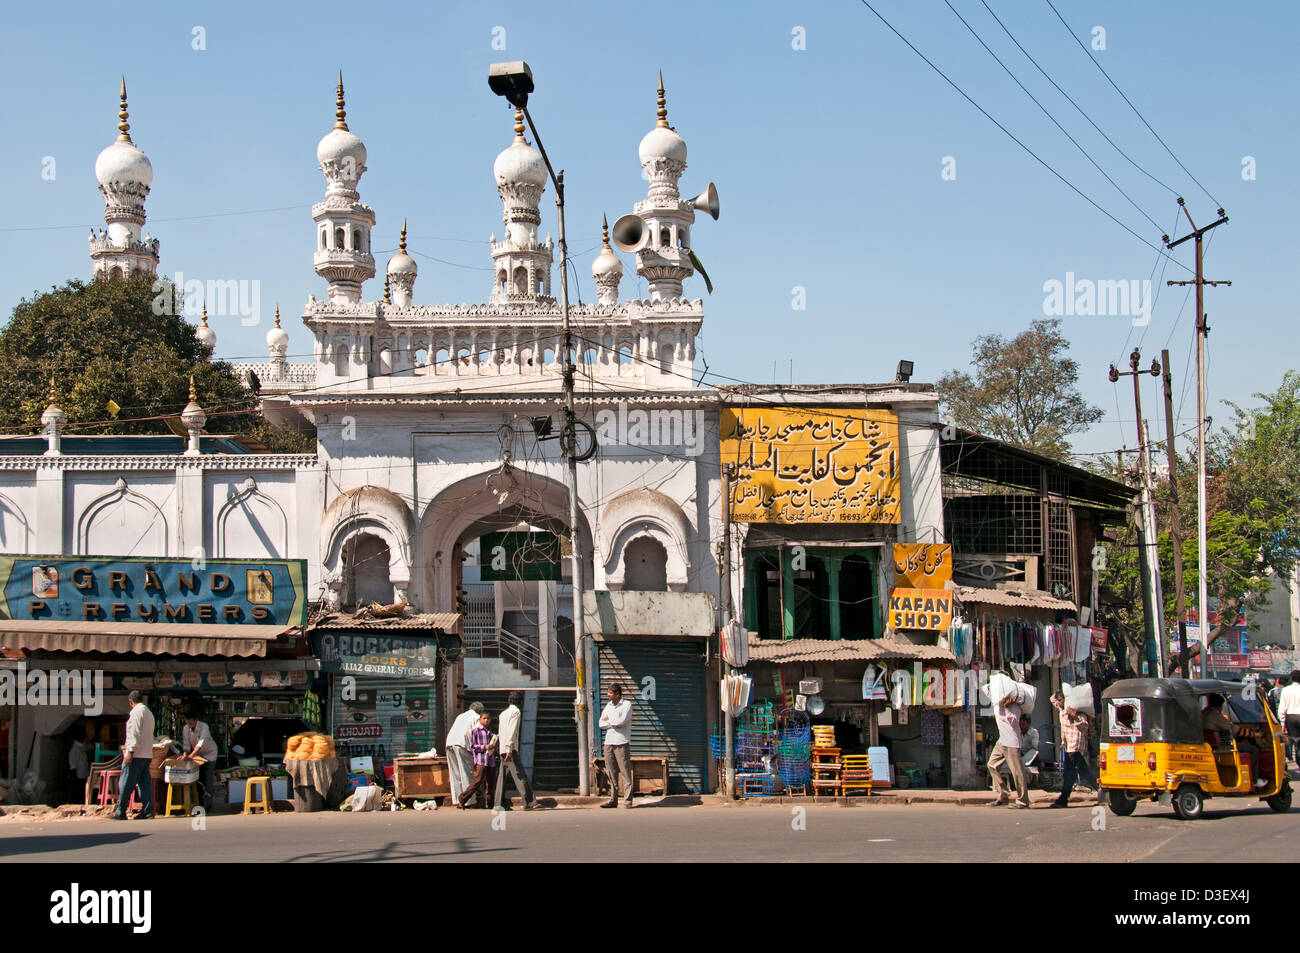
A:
x,y
109,589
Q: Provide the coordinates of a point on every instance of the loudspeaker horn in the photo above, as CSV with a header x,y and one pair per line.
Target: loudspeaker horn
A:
x,y
707,201
629,233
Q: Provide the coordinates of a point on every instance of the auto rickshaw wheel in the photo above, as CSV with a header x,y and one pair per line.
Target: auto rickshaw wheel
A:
x,y
1120,803
1281,801
1189,802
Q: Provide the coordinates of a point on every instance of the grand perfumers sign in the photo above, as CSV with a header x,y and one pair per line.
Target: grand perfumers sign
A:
x,y
108,589
805,465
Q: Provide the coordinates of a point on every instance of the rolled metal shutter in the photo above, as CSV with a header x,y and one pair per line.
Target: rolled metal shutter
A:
x,y
397,715
671,724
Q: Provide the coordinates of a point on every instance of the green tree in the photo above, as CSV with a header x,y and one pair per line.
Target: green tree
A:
x,y
121,340
1023,390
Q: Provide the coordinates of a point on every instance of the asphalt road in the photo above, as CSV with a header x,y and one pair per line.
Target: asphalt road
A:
x,y
870,833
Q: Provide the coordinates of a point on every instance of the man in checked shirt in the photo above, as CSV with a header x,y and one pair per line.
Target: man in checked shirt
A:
x,y
1074,738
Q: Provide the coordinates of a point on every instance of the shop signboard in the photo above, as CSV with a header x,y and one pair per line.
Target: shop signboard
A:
x,y
926,610
808,465
923,565
1234,662
1233,642
1261,659
391,656
1099,639
511,556
122,589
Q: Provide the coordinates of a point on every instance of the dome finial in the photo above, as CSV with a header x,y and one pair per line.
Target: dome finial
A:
x,y
277,314
204,320
519,125
123,127
52,401
340,114
401,242
663,103
387,298
193,395
604,229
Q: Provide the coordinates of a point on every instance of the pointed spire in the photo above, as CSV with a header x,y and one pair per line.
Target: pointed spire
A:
x,y
340,114
604,229
401,243
193,395
519,125
204,320
663,103
277,314
387,297
123,127
52,395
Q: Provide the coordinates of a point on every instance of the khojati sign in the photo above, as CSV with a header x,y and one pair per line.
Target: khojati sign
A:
x,y
111,589
927,610
922,565
807,465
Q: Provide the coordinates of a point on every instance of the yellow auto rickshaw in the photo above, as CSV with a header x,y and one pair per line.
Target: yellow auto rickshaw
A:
x,y
1154,746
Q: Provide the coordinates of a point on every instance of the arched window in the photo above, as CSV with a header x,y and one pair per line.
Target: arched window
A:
x,y
323,239
356,241
440,359
683,238
421,356
520,281
484,356
462,356
548,356
646,565
589,356
501,280
666,358
526,356
665,238
339,239
365,567
624,355
341,361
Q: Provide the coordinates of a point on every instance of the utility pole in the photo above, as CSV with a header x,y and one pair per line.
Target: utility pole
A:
x,y
1202,330
1151,595
1175,519
729,785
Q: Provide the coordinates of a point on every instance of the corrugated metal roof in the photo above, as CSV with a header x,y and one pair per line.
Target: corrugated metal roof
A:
x,y
843,650
443,621
147,638
1020,598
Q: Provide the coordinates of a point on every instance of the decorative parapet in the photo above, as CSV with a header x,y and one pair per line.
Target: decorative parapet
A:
x,y
207,461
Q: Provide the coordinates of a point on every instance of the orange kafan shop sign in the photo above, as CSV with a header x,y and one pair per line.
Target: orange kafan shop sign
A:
x,y
926,610
923,565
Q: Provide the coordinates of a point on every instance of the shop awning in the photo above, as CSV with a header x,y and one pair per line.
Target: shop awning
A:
x,y
1017,598
135,638
780,651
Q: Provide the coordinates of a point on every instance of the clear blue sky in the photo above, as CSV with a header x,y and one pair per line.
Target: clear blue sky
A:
x,y
828,161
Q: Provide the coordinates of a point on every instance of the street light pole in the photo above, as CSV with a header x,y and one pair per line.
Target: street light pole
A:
x,y
514,81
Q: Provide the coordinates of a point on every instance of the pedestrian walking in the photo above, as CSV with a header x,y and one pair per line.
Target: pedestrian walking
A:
x,y
1074,759
483,745
1007,752
460,764
137,758
1288,713
616,720
512,762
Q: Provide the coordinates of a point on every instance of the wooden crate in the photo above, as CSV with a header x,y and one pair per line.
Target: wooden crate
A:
x,y
421,777
649,776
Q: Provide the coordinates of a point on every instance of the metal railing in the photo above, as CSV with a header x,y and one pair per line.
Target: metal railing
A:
x,y
522,653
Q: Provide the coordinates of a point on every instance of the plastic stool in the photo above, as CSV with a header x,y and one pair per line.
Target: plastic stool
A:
x,y
109,783
264,797
187,799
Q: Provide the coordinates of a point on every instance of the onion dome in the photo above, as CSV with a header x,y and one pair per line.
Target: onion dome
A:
x,y
341,148
193,416
519,163
205,334
277,339
402,263
123,162
606,263
661,142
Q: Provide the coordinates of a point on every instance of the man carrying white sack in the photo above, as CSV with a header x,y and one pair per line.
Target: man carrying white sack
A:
x,y
1007,752
460,763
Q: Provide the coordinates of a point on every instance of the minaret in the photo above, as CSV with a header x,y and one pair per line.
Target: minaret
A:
x,y
53,420
194,420
124,174
607,270
665,261
521,266
277,347
342,223
400,278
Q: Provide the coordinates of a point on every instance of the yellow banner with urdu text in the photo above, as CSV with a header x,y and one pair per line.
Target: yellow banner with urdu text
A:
x,y
811,465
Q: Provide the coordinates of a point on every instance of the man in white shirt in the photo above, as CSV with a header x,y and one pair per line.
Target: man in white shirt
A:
x,y
1028,741
460,763
1007,751
616,720
137,758
1288,713
196,740
511,758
